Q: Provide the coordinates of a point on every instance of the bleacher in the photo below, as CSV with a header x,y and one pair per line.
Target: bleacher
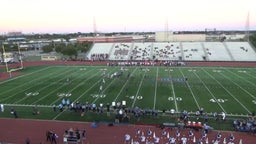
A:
x,y
193,51
174,51
216,51
141,51
120,51
242,51
100,51
167,51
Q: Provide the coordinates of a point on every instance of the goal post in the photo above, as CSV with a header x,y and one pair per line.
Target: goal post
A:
x,y
12,59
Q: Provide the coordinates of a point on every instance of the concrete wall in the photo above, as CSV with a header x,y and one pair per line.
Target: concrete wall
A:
x,y
169,36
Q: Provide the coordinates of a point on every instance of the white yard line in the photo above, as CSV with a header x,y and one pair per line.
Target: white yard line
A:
x,y
251,75
96,82
79,97
23,75
173,93
49,106
28,105
228,91
135,98
104,89
124,86
210,93
62,87
28,83
25,97
239,86
240,77
154,107
197,104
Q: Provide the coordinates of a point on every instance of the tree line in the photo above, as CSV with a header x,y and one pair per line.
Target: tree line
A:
x,y
68,49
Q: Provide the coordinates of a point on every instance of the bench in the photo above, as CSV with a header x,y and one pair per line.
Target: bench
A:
x,y
169,125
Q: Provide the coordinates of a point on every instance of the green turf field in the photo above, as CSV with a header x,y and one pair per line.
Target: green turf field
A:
x,y
216,89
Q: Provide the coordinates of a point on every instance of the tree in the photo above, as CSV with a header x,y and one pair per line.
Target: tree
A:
x,y
70,51
59,47
48,48
253,39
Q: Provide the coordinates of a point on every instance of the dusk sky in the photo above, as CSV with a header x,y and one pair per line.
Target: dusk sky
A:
x,y
68,16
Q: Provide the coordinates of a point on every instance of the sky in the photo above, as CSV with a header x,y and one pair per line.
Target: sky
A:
x,y
71,16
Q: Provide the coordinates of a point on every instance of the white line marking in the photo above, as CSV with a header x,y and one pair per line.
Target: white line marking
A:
x,y
28,83
239,86
227,91
70,91
135,98
79,97
210,92
173,93
39,90
157,70
198,106
23,75
124,85
241,77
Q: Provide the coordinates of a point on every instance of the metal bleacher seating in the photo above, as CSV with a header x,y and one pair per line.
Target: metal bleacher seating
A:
x,y
174,51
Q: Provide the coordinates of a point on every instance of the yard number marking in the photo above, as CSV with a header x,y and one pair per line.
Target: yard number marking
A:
x,y
138,97
218,100
32,93
98,95
172,99
64,94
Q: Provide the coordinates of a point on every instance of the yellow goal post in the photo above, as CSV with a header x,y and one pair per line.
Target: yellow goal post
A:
x,y
8,59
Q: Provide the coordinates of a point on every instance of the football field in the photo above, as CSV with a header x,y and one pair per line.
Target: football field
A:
x,y
216,89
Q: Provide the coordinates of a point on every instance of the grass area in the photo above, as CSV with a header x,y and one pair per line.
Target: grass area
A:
x,y
32,58
216,89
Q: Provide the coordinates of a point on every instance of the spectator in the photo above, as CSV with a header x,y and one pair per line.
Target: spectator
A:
x,y
27,140
206,117
49,136
13,111
2,107
68,102
223,116
215,115
77,134
172,112
54,138
84,134
201,111
231,137
218,135
127,138
63,102
190,133
54,107
60,107
35,110
206,128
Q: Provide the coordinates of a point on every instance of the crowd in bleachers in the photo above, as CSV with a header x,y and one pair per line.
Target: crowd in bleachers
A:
x,y
121,51
190,51
149,135
74,136
141,51
99,56
245,125
167,51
